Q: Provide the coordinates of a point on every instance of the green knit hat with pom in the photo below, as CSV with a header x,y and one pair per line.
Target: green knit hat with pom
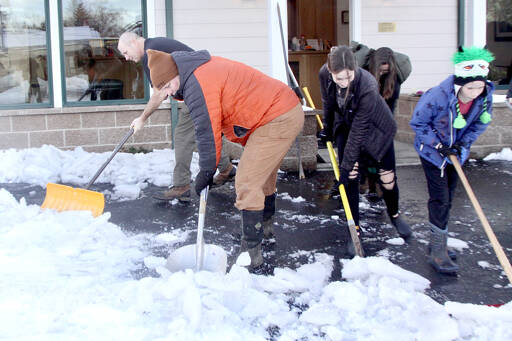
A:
x,y
471,64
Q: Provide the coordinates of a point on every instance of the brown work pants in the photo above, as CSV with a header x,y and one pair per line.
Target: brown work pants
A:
x,y
264,151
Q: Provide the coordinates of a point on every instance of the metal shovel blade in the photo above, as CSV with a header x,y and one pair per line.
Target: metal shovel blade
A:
x,y
199,256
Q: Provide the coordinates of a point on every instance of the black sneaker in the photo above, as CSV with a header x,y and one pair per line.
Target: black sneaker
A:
x,y
335,191
403,229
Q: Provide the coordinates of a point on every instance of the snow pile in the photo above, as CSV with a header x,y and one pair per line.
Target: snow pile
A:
x,y
505,154
129,173
69,276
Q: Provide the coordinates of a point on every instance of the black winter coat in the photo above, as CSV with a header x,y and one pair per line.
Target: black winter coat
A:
x,y
365,114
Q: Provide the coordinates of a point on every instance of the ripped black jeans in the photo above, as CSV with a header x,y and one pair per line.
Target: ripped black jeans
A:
x,y
387,179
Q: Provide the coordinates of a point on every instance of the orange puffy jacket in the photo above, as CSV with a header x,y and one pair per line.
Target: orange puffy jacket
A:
x,y
227,97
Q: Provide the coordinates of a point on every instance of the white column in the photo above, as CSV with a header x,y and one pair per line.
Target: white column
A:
x,y
151,21
355,20
55,50
150,14
477,23
275,45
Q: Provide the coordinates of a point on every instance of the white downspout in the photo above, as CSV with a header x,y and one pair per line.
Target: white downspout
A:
x,y
355,20
55,48
477,22
276,58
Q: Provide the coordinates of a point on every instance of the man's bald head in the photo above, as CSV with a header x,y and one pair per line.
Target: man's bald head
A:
x,y
131,46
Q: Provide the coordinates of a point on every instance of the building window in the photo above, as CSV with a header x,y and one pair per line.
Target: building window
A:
x,y
24,54
499,40
93,68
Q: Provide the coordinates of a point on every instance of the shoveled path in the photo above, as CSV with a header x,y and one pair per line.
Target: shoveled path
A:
x,y
317,224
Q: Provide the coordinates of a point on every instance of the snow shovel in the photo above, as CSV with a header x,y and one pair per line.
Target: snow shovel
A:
x,y
66,198
199,256
505,264
352,227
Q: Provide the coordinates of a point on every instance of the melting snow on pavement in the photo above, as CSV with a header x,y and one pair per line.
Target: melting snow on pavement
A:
x,y
69,276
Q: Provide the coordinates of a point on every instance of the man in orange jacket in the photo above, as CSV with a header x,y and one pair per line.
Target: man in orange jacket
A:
x,y
247,107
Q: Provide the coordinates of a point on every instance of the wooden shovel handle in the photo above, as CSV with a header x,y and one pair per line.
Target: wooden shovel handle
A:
x,y
487,227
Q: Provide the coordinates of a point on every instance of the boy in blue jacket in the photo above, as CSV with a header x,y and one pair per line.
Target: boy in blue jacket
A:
x,y
447,120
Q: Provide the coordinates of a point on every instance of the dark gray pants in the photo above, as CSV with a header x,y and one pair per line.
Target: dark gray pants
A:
x,y
440,191
184,147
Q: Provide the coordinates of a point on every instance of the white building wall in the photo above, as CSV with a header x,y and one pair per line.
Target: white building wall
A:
x,y
425,30
235,29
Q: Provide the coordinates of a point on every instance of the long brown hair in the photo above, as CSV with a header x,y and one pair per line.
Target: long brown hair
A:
x,y
384,55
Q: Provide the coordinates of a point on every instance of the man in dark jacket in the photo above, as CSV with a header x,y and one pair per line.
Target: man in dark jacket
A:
x,y
134,47
361,122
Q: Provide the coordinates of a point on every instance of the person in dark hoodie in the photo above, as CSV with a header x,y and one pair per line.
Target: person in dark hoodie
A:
x,y
382,65
447,120
358,118
248,107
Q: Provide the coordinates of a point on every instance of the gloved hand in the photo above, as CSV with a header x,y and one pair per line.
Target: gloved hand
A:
x,y
137,124
457,146
460,147
464,154
446,151
325,135
204,178
343,180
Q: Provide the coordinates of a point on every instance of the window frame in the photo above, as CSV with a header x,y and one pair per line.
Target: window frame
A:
x,y
50,103
98,102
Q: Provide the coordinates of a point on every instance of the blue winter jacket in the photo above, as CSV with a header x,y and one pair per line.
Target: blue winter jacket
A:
x,y
433,118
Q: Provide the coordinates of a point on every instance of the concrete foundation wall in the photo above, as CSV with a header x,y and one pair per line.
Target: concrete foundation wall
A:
x,y
496,137
95,129
100,129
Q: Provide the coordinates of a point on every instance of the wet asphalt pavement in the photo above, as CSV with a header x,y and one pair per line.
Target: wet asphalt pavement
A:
x,y
317,224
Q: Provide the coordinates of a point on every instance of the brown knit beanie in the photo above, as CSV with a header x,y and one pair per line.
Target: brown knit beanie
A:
x,y
162,68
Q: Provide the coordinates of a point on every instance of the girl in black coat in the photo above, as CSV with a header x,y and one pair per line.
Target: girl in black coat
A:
x,y
358,118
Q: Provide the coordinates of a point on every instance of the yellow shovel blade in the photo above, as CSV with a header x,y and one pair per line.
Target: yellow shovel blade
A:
x,y
65,198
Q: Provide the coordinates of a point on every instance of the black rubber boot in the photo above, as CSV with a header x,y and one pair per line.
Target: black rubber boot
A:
x,y
403,229
438,255
268,216
252,235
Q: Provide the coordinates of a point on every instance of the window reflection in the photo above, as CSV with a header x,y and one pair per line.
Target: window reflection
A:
x,y
23,52
94,69
499,40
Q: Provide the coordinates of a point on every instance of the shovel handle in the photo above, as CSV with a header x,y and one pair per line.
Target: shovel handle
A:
x,y
123,141
485,223
318,119
352,227
200,226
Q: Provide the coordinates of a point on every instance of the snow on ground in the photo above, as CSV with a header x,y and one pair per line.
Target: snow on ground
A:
x,y
69,276
505,154
128,172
